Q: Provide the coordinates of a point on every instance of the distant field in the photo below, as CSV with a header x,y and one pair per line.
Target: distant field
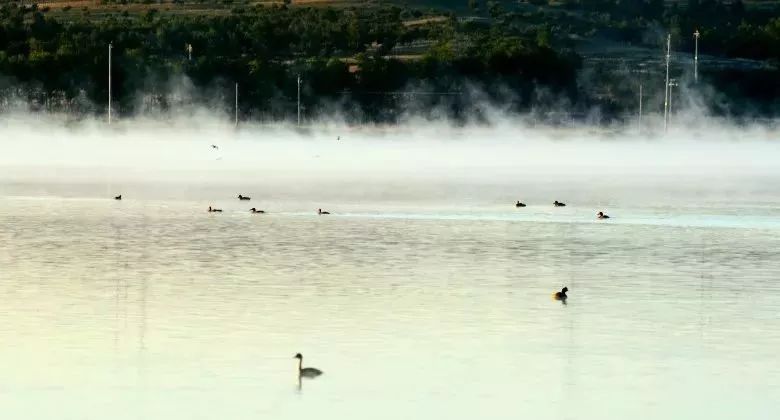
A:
x,y
75,9
93,4
97,9
219,4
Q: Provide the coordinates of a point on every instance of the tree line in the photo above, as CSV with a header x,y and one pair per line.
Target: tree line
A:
x,y
364,63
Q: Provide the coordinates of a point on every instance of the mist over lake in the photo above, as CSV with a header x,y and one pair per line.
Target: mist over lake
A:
x,y
425,293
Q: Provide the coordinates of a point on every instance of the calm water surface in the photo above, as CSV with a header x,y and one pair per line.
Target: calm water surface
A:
x,y
145,309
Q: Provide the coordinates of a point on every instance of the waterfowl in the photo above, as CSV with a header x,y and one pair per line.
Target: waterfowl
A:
x,y
119,197
214,146
559,204
214,210
562,294
256,211
308,372
319,211
519,204
241,197
601,215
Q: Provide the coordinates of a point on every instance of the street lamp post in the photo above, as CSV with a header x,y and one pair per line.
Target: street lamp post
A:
x,y
299,99
640,108
666,90
110,47
696,35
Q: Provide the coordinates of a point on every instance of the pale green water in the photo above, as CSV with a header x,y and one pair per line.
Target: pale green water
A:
x,y
147,309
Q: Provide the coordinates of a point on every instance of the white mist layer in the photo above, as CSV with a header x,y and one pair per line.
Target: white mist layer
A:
x,y
419,161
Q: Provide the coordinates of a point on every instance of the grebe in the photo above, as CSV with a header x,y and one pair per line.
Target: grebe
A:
x,y
319,211
256,211
214,210
241,197
601,215
119,197
519,204
308,372
562,294
559,204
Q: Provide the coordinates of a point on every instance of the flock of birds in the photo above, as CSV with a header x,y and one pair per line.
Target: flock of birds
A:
x,y
556,203
253,210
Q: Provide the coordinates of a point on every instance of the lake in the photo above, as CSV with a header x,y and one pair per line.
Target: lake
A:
x,y
424,295
157,309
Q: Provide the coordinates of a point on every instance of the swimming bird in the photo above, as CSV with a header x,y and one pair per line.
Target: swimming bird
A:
x,y
559,204
119,197
256,211
319,211
562,294
241,197
214,146
214,210
519,204
308,372
601,215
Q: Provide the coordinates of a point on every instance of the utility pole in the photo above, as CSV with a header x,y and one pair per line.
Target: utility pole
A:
x,y
640,107
299,99
236,104
696,35
110,46
666,89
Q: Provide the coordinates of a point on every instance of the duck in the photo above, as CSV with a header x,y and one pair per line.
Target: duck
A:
x,y
119,197
214,146
559,204
601,215
308,372
519,204
214,210
242,197
256,211
562,294
319,211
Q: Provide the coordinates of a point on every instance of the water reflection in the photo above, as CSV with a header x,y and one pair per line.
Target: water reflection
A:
x,y
300,381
